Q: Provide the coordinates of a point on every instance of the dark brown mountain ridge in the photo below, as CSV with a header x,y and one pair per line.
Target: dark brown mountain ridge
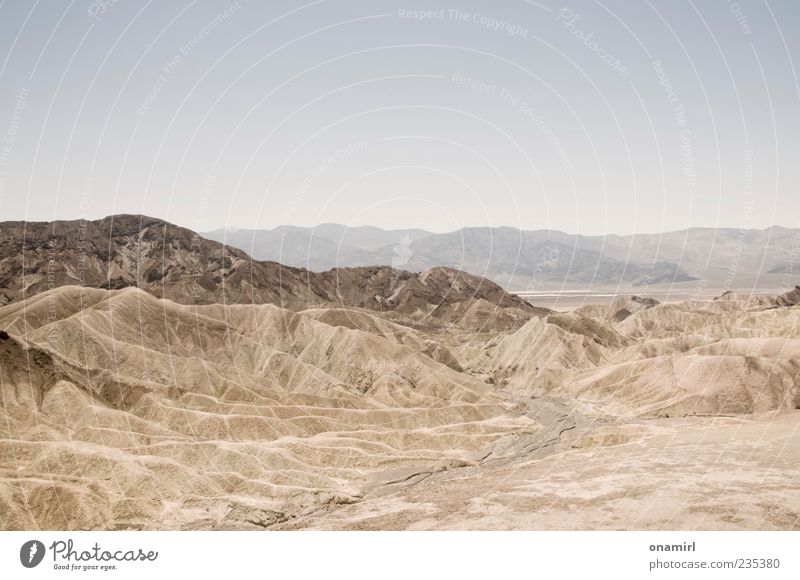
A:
x,y
173,262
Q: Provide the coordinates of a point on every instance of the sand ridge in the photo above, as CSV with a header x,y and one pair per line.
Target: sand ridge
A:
x,y
124,410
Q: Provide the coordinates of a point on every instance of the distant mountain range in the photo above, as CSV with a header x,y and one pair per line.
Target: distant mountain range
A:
x,y
541,259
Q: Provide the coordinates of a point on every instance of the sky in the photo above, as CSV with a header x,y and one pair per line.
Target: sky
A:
x,y
590,117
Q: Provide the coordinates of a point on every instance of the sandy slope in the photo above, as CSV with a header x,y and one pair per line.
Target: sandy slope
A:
x,y
123,410
161,415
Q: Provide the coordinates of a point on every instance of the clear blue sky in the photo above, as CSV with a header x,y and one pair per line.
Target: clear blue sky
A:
x,y
589,117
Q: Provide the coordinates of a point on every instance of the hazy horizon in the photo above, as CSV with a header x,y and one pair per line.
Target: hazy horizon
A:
x,y
411,227
398,229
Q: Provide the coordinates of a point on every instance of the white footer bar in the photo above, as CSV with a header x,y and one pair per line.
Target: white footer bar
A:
x,y
377,555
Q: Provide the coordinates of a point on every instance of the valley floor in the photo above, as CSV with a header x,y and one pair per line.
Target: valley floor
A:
x,y
698,473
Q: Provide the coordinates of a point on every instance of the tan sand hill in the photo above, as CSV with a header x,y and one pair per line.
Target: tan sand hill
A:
x,y
140,412
183,415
